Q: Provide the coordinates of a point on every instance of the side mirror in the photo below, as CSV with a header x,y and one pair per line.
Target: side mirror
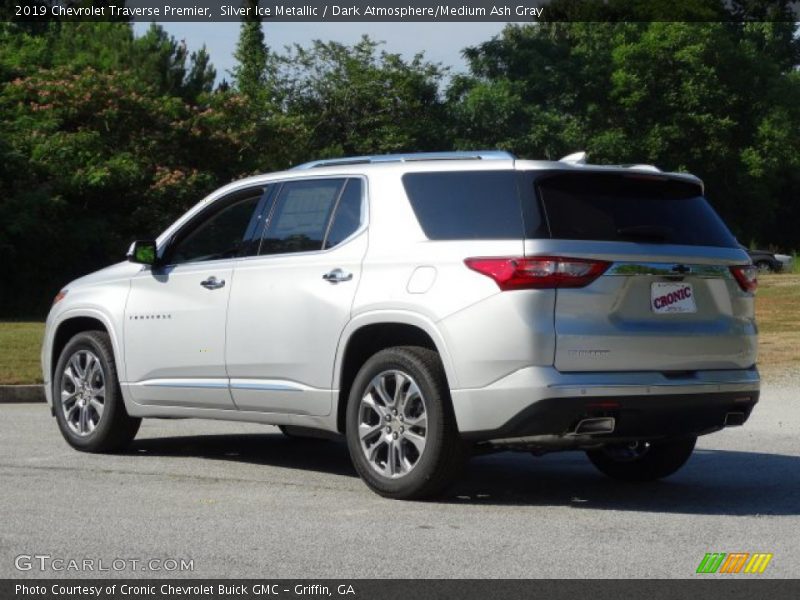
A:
x,y
143,252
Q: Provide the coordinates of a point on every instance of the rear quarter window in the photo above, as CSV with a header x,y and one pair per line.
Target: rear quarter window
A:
x,y
630,208
462,205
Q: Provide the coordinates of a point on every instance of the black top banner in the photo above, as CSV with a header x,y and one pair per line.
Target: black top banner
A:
x,y
519,11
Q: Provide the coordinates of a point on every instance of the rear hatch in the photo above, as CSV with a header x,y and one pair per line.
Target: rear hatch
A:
x,y
675,295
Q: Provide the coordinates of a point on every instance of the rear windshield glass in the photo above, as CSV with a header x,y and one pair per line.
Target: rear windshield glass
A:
x,y
632,209
460,205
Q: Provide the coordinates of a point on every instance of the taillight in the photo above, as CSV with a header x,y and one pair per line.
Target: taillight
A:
x,y
539,272
747,277
59,297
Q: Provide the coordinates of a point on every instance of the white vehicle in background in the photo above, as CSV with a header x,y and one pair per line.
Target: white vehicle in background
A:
x,y
769,262
787,262
424,306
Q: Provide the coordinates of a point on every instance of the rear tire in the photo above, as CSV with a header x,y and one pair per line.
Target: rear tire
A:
x,y
646,461
87,400
400,427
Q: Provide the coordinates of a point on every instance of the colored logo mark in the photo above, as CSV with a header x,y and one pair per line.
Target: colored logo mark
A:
x,y
734,562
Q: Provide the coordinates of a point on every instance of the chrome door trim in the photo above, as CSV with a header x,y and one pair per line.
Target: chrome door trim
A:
x,y
184,383
273,385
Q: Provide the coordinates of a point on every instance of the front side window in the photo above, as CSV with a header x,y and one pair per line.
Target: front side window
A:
x,y
220,235
301,215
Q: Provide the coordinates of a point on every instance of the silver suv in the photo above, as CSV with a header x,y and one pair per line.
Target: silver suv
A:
x,y
425,306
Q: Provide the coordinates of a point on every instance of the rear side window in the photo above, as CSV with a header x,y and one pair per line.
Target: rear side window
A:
x,y
462,205
627,208
300,216
347,215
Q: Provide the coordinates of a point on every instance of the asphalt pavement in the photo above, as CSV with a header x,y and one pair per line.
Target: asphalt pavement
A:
x,y
242,500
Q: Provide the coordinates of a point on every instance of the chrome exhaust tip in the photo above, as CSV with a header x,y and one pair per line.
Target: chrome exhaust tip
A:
x,y
594,426
734,419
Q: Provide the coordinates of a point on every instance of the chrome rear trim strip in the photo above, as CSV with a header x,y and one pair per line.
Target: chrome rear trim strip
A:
x,y
682,383
669,270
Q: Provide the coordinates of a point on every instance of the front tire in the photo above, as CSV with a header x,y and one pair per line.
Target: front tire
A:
x,y
87,399
643,461
400,427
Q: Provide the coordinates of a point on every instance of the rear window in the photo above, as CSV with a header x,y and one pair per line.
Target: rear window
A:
x,y
631,209
459,205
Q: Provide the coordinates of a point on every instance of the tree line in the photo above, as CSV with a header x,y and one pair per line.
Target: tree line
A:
x,y
106,137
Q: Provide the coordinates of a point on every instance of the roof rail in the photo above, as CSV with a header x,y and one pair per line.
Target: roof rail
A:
x,y
417,156
576,158
579,158
652,168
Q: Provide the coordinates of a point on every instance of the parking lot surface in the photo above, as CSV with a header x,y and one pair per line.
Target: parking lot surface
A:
x,y
243,500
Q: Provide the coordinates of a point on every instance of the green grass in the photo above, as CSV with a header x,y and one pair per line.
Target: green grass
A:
x,y
20,343
777,311
778,303
778,317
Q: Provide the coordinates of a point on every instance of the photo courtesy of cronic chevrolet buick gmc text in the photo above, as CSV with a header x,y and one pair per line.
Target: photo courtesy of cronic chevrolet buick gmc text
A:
x,y
425,306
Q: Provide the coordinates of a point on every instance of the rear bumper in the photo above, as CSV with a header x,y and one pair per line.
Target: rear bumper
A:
x,y
644,405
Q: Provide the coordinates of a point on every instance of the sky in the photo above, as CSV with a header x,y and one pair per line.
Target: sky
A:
x,y
441,42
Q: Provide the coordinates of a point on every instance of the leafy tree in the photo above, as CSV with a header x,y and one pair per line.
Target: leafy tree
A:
x,y
97,147
201,76
718,99
357,100
106,137
162,60
252,55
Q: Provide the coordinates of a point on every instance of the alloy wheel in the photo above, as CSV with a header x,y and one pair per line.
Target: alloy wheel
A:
x,y
83,392
393,424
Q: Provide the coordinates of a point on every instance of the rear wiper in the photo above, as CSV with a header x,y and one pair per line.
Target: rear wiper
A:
x,y
645,232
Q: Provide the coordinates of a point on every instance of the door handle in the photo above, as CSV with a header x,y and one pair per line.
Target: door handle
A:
x,y
337,276
212,283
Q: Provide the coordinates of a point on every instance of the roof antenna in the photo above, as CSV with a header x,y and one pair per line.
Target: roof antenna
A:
x,y
577,158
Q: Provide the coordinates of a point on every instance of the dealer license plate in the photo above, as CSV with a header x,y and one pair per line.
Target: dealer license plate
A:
x,y
672,297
